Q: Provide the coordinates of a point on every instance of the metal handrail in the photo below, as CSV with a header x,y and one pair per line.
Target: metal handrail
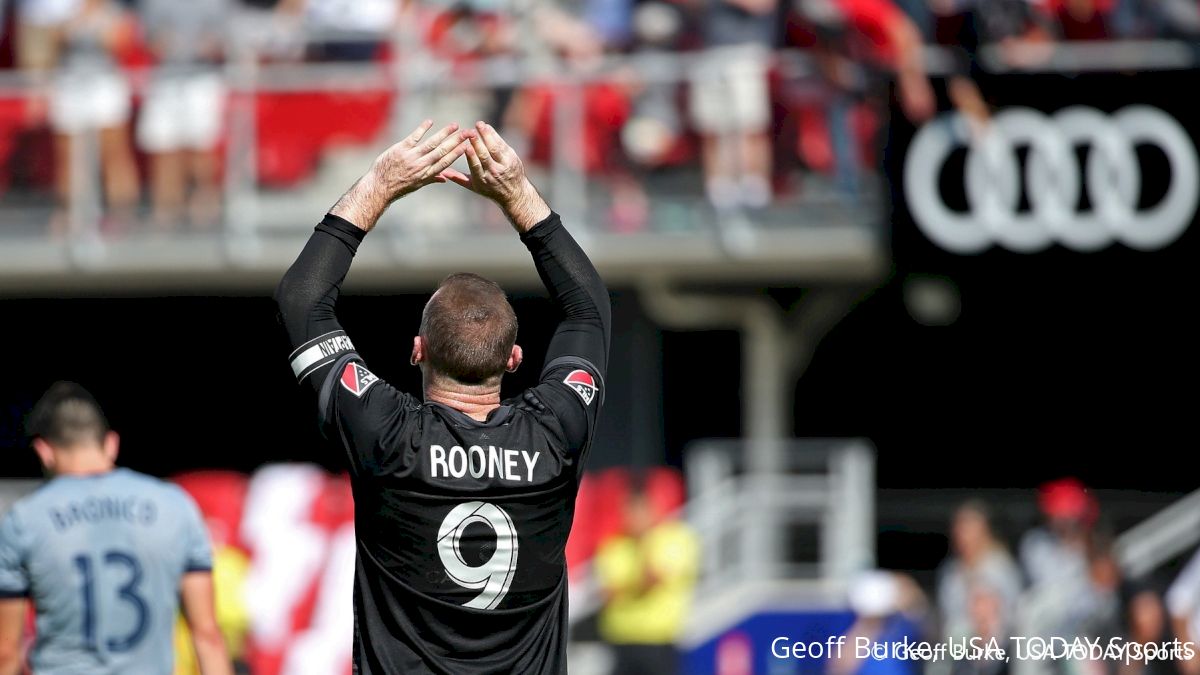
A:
x,y
662,66
741,516
1160,538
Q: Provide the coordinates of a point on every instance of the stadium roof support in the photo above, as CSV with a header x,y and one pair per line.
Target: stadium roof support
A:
x,y
777,346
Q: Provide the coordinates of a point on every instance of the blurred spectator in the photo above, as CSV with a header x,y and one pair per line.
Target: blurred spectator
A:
x,y
567,35
89,93
989,619
980,573
853,33
654,136
730,101
1083,19
888,607
1183,603
647,574
971,24
1095,609
267,30
181,116
29,31
1059,549
1082,604
1073,579
965,26
1161,18
1145,620
893,39
582,32
583,28
349,30
463,35
610,19
37,21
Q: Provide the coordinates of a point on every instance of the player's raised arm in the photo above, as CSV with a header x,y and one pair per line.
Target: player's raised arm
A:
x,y
308,293
352,403
578,353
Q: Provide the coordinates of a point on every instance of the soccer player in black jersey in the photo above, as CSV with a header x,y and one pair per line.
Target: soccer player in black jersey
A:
x,y
463,501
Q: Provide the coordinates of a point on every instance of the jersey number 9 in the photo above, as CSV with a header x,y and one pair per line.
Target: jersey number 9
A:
x,y
493,576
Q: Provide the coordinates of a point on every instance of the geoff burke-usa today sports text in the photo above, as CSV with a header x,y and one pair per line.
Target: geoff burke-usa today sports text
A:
x,y
1016,648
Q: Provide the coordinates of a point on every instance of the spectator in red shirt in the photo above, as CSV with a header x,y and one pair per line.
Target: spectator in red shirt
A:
x,y
852,33
889,37
1082,19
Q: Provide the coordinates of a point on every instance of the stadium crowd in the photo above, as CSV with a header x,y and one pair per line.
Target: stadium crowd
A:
x,y
150,79
631,547
1063,580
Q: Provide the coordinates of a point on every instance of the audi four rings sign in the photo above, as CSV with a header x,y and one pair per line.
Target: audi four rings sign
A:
x,y
1111,175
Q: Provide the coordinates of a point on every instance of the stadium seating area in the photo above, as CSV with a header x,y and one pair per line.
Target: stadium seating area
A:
x,y
637,119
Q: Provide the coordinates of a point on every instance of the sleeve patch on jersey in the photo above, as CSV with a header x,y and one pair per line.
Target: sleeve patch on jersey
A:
x,y
582,382
318,352
357,379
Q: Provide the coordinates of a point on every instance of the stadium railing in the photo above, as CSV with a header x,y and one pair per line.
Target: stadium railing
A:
x,y
1156,540
297,134
809,523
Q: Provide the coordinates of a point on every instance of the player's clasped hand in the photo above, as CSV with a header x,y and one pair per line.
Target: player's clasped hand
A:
x,y
417,161
496,171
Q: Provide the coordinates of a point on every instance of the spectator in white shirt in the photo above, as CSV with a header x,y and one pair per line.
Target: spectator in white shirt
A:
x,y
87,93
181,118
978,560
1183,604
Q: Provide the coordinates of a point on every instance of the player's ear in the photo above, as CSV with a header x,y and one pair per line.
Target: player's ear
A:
x,y
45,453
514,359
418,352
112,443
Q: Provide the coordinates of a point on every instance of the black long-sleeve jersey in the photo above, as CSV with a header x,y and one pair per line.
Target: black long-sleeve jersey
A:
x,y
461,524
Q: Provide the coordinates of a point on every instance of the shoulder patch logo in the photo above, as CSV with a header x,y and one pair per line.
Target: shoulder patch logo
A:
x,y
357,379
584,384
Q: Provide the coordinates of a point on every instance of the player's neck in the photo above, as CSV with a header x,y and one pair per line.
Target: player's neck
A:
x,y
473,401
82,464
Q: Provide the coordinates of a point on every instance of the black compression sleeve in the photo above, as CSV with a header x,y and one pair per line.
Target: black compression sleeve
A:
x,y
577,290
308,293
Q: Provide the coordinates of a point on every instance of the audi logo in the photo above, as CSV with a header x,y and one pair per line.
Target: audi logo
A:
x,y
1053,182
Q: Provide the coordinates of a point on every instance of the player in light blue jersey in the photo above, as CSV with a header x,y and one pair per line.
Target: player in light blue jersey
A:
x,y
106,555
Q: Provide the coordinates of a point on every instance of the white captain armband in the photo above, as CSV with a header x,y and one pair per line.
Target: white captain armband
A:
x,y
319,351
